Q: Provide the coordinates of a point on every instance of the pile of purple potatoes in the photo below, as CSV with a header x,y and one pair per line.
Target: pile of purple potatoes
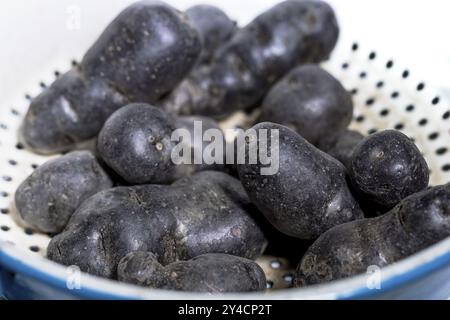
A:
x,y
117,206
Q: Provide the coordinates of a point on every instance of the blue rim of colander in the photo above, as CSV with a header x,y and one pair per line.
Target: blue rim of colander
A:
x,y
20,267
401,280
362,292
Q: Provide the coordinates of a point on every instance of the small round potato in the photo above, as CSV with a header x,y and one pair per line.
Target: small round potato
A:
x,y
310,101
341,146
386,167
136,143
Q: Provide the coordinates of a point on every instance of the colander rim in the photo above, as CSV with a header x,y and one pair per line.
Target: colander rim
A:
x,y
393,276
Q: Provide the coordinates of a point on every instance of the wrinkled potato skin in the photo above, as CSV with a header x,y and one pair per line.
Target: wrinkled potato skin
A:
x,y
416,223
206,213
291,33
131,61
111,224
211,273
310,101
214,27
51,194
341,146
308,195
386,167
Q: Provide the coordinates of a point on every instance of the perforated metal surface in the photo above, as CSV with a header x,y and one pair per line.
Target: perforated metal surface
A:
x,y
386,96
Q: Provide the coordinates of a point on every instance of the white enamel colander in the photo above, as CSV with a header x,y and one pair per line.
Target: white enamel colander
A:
x,y
387,95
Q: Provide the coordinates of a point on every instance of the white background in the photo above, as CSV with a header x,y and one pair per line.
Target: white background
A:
x,y
33,33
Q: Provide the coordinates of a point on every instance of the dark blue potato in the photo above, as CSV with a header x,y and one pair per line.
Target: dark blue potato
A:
x,y
291,33
211,273
70,111
281,245
386,167
218,217
310,101
309,193
341,145
111,224
136,143
48,197
214,26
416,223
206,213
142,55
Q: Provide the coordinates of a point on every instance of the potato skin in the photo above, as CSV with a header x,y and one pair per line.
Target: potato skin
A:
x,y
310,101
341,146
136,55
131,61
386,167
219,219
111,224
211,273
308,195
416,223
206,213
51,194
290,33
136,143
214,27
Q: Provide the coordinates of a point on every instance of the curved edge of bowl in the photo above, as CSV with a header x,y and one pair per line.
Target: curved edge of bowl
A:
x,y
392,277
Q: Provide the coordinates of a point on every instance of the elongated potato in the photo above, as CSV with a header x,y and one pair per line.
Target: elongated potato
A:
x,y
308,195
291,33
136,142
214,26
206,213
142,55
416,223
